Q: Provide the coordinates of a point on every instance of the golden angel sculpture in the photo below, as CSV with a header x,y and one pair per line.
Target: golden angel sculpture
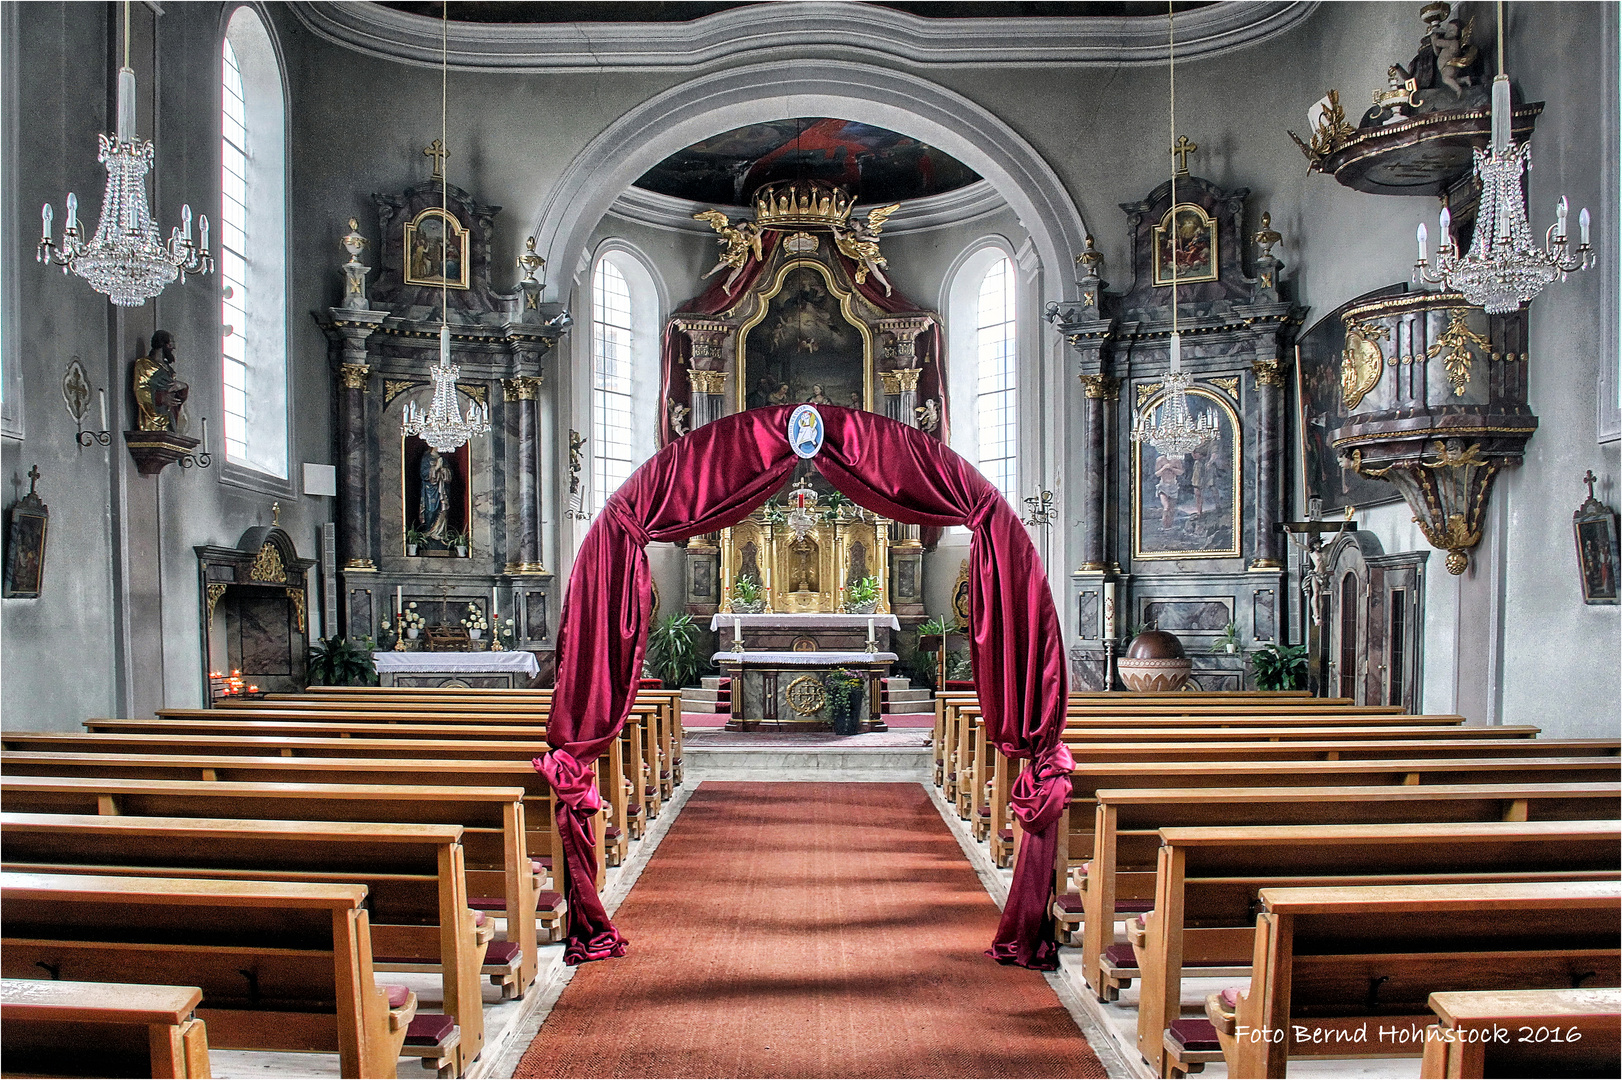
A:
x,y
859,242
738,243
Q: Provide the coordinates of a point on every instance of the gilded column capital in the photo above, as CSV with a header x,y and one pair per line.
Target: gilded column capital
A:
x,y
706,382
521,388
354,376
1268,372
905,380
1105,387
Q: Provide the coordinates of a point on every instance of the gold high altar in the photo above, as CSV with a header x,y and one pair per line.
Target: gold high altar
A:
x,y
805,559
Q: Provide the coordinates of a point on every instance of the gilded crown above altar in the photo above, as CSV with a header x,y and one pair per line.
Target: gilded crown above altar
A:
x,y
802,204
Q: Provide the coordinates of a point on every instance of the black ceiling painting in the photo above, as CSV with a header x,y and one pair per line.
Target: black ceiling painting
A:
x,y
874,164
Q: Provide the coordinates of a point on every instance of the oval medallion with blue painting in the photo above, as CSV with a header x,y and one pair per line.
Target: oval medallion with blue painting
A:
x,y
805,431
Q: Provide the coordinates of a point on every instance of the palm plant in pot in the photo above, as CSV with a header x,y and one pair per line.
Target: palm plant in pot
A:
x,y
1228,641
341,661
413,540
673,650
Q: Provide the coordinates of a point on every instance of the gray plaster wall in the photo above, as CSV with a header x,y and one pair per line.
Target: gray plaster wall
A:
x,y
1509,641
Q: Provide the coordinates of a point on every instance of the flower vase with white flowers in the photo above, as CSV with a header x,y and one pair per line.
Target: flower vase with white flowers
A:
x,y
501,637
411,622
476,626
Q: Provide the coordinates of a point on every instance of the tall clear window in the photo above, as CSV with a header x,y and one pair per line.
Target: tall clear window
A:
x,y
252,263
612,386
996,420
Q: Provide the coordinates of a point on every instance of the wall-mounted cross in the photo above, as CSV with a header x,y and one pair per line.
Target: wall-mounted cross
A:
x,y
33,479
1589,478
437,151
1182,151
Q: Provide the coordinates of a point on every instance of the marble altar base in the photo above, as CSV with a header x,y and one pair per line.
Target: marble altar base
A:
x,y
764,682
478,670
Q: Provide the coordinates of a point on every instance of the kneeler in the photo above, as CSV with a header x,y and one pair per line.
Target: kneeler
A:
x,y
712,479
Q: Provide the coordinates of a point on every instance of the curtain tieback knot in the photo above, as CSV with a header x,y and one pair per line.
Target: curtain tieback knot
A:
x,y
615,509
573,782
983,509
1041,789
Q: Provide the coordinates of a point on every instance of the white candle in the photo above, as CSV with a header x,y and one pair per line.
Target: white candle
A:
x,y
102,394
205,434
492,604
185,221
45,221
1560,211
1423,256
1109,609
399,605
870,629
202,232
1582,224
1445,239
72,217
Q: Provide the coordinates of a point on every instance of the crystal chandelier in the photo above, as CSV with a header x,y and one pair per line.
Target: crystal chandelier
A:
x,y
1172,429
442,427
125,258
1503,269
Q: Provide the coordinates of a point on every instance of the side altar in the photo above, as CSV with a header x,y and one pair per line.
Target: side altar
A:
x,y
786,668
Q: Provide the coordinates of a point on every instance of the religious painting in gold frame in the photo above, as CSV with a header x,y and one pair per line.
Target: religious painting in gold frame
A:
x,y
1195,245
805,343
1187,506
436,250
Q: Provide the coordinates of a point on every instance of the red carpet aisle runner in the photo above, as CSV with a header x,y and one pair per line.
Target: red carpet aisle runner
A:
x,y
808,930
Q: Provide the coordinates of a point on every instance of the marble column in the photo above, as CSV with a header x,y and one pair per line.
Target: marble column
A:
x,y
351,328
1099,390
1269,463
706,387
706,373
522,392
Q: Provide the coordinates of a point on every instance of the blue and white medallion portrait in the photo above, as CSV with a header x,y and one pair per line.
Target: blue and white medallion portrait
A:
x,y
805,431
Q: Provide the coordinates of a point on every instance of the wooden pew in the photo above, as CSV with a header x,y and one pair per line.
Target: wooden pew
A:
x,y
1565,1032
1207,881
500,874
307,949
1120,852
102,1029
1347,971
1324,745
544,837
414,878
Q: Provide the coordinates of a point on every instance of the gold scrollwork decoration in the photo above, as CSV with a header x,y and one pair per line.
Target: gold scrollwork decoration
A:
x,y
1146,391
215,591
268,566
706,382
1354,461
1361,361
1454,459
1457,341
521,388
393,388
806,695
354,376
477,391
296,596
1228,384
1267,373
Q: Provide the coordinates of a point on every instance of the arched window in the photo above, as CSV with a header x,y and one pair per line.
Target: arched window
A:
x,y
995,400
624,368
253,248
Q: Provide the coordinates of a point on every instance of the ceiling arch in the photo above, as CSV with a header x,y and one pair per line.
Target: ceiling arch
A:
x,y
725,100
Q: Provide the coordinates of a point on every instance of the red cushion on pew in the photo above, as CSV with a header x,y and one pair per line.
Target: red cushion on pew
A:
x,y
612,832
633,810
959,684
984,811
1069,902
1121,956
482,904
549,900
502,952
398,995
1134,907
650,684
664,774
651,790
1193,1033
428,1029
1005,834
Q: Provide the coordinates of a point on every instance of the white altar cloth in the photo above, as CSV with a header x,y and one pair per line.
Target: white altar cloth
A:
x,y
803,659
436,662
825,621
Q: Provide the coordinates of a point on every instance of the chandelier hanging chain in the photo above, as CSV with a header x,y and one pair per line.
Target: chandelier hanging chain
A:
x,y
442,426
1503,268
125,258
1172,429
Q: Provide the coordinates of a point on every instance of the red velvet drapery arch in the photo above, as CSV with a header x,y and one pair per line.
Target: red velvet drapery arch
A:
x,y
713,478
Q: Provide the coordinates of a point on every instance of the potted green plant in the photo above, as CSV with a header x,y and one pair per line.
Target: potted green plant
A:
x,y
862,596
1280,667
673,650
1228,642
748,598
932,635
461,542
413,540
341,661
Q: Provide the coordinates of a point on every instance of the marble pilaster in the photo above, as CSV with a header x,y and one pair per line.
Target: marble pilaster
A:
x,y
1270,457
522,392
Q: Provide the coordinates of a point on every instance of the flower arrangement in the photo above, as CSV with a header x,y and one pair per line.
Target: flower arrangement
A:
x,y
844,691
748,596
862,596
502,631
410,621
475,622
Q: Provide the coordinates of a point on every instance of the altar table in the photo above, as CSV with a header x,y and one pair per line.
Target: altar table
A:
x,y
784,631
479,670
784,690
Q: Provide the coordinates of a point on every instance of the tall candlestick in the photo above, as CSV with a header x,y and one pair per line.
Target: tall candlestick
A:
x,y
1109,610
